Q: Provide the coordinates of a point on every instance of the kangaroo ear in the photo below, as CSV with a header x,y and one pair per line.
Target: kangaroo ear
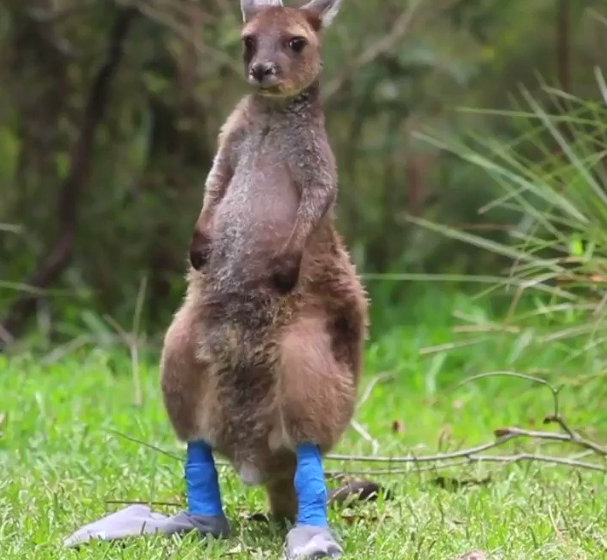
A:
x,y
251,7
324,10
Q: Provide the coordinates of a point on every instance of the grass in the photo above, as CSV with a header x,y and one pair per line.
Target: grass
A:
x,y
552,182
61,459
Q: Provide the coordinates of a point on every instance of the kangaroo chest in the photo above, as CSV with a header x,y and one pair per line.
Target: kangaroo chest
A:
x,y
257,214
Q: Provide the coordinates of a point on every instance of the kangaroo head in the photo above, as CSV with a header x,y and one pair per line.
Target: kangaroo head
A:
x,y
282,45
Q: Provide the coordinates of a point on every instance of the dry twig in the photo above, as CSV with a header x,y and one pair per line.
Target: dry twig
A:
x,y
148,445
504,435
422,458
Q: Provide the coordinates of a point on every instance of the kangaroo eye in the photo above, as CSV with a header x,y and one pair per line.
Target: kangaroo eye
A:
x,y
298,44
249,43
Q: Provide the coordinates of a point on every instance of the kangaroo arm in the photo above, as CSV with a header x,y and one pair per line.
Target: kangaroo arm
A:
x,y
316,200
222,170
215,189
316,181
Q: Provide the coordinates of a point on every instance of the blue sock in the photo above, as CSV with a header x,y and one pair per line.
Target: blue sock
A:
x,y
310,487
203,484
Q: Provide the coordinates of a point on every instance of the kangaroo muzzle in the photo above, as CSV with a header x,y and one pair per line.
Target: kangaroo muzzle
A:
x,y
264,75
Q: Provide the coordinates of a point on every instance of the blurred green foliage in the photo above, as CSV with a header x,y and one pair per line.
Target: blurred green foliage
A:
x,y
394,68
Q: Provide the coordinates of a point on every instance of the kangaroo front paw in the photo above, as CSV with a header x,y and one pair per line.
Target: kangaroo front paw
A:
x,y
308,541
285,271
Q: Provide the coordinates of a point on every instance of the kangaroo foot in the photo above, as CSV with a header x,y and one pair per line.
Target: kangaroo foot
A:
x,y
208,525
308,541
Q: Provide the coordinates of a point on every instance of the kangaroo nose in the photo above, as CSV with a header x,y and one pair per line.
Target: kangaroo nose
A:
x,y
261,71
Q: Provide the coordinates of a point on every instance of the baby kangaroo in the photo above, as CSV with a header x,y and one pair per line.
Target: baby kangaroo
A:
x,y
261,363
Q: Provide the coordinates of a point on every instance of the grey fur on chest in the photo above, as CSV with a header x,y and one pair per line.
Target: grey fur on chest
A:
x,y
288,137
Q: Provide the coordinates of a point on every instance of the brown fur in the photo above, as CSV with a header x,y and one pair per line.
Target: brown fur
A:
x,y
266,350
272,29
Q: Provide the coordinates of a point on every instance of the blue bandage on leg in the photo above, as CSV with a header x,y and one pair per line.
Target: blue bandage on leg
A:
x,y
310,487
202,481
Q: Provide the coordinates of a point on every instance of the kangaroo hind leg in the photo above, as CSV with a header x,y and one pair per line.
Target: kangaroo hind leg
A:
x,y
316,391
283,499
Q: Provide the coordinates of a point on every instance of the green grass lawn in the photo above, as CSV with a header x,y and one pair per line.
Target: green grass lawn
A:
x,y
61,460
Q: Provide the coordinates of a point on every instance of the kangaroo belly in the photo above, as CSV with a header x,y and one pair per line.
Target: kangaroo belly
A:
x,y
253,222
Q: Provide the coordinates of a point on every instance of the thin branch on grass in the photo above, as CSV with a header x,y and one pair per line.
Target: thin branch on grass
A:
x,y
504,435
555,390
148,445
525,457
504,459
340,474
421,458
219,463
557,531
570,437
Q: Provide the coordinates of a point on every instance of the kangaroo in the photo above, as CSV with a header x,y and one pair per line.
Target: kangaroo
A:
x,y
261,363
